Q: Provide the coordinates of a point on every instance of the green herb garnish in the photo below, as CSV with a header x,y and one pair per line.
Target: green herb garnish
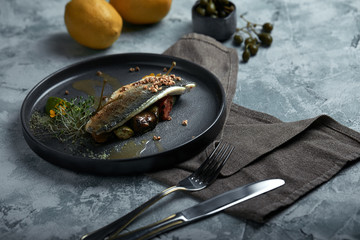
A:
x,y
67,120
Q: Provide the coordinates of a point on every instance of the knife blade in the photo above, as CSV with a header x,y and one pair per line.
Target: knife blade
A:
x,y
203,209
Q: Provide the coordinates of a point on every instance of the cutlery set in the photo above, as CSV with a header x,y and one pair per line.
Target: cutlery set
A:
x,y
203,177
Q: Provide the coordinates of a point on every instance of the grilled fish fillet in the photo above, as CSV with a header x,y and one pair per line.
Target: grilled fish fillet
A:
x,y
131,99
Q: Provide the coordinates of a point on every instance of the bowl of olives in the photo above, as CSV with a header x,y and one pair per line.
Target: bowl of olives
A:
x,y
215,18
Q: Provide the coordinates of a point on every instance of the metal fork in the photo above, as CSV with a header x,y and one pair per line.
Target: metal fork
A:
x,y
204,176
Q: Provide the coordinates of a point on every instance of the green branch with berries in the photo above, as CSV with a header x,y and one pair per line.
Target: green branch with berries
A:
x,y
256,35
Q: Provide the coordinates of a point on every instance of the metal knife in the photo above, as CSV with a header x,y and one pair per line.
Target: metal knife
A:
x,y
203,209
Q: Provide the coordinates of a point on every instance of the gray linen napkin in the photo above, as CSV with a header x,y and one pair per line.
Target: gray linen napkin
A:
x,y
305,153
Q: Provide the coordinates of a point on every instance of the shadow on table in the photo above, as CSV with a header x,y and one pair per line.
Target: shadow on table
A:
x,y
61,44
28,165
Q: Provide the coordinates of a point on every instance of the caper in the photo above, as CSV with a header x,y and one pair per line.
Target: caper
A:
x,y
224,2
250,40
252,43
222,14
267,27
211,8
124,132
246,55
231,8
238,39
201,11
265,38
203,3
253,48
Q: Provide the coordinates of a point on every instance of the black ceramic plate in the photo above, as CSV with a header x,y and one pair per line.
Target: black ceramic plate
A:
x,y
203,107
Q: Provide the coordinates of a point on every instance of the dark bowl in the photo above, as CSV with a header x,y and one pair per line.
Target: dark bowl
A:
x,y
219,28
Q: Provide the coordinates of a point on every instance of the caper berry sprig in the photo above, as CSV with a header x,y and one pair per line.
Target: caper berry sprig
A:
x,y
255,37
215,8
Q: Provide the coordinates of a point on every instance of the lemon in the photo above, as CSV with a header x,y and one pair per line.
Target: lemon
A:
x,y
93,23
142,11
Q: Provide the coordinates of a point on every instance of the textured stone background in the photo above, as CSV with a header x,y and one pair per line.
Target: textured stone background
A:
x,y
312,68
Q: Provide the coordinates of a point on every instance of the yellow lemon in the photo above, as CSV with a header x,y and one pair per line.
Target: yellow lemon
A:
x,y
93,23
142,11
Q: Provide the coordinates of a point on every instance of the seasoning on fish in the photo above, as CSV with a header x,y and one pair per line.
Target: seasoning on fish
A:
x,y
132,99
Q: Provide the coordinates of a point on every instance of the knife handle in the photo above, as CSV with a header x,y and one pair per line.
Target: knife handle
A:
x,y
114,228
155,229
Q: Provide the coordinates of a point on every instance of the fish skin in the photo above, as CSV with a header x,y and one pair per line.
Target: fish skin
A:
x,y
125,104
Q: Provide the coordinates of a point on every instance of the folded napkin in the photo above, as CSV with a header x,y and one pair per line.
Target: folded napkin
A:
x,y
305,153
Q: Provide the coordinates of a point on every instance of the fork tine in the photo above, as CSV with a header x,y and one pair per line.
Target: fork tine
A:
x,y
200,179
214,160
209,159
214,171
214,163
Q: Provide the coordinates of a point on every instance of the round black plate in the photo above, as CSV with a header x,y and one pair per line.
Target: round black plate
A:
x,y
203,107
